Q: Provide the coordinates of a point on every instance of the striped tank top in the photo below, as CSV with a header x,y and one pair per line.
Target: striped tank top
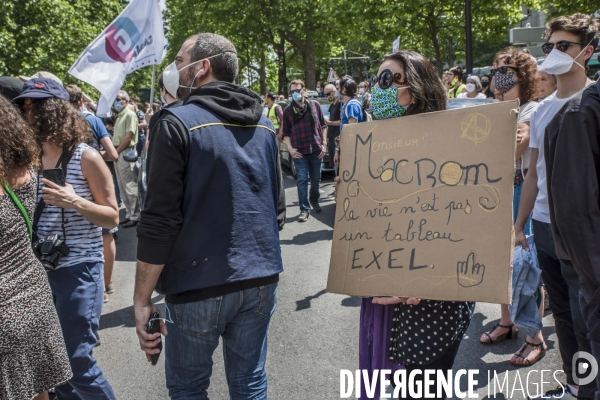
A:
x,y
83,238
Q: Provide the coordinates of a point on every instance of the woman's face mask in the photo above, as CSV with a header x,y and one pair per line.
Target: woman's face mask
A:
x,y
504,82
385,103
470,87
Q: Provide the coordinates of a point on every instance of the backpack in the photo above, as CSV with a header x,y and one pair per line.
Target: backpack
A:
x,y
367,117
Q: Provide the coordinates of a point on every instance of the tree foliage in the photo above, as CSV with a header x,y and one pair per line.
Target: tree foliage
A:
x,y
49,35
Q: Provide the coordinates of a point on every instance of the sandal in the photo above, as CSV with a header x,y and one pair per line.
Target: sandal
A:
x,y
508,335
527,362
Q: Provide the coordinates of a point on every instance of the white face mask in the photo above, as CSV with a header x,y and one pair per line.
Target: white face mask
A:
x,y
361,90
171,76
558,63
470,87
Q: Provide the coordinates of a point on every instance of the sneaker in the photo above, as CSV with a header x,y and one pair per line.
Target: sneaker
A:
x,y
109,288
126,220
316,207
303,216
560,392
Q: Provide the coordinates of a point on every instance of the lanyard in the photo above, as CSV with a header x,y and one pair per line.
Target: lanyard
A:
x,y
21,208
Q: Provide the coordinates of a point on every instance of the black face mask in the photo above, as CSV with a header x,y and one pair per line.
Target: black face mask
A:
x,y
485,84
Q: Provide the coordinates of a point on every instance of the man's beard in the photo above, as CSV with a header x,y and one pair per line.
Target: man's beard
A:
x,y
185,80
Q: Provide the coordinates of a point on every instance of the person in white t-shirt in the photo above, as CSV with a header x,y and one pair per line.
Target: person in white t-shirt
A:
x,y
473,89
567,55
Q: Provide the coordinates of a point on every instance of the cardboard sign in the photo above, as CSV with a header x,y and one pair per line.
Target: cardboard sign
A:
x,y
425,206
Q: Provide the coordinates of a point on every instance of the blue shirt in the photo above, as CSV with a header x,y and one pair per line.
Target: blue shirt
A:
x,y
351,109
97,126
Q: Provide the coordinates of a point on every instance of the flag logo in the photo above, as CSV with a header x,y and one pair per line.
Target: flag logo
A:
x,y
121,38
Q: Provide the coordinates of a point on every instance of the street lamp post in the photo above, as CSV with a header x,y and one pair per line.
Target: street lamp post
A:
x,y
469,36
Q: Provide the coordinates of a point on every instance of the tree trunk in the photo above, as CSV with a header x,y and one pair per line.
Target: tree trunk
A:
x,y
433,30
307,50
281,75
262,73
308,60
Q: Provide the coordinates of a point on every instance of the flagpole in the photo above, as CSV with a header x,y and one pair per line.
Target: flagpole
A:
x,y
152,87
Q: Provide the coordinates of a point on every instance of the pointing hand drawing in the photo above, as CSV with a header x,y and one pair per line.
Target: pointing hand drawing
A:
x,y
469,272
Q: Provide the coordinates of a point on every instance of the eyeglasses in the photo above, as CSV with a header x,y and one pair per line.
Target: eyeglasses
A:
x,y
296,91
118,99
386,78
562,45
503,69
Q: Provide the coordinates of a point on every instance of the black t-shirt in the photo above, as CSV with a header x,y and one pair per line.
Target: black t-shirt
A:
x,y
154,119
335,112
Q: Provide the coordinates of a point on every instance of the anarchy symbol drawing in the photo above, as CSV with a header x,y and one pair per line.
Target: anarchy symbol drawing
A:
x,y
475,127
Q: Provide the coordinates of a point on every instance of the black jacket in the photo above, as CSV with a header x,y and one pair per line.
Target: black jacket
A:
x,y
178,184
572,151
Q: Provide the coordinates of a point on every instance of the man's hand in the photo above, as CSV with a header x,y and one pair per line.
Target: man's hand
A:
x,y
295,153
336,159
385,301
520,239
323,150
148,342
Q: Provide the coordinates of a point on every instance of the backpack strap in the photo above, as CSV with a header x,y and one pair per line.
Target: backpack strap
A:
x,y
21,208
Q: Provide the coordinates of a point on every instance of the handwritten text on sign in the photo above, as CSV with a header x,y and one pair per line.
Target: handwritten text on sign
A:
x,y
424,206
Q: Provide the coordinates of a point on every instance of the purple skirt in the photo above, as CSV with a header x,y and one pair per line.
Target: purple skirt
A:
x,y
375,325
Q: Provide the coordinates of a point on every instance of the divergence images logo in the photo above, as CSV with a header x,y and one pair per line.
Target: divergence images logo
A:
x,y
584,372
121,38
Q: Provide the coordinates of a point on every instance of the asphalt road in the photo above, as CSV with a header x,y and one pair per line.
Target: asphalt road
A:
x,y
313,334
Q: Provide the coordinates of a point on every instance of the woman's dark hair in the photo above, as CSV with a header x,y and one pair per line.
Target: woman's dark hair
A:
x,y
57,121
18,147
527,73
270,95
423,81
350,85
457,72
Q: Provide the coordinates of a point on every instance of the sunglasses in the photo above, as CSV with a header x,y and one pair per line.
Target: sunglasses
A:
x,y
328,93
503,69
386,78
562,45
296,91
118,99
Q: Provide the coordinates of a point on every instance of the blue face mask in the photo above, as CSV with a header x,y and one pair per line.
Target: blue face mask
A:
x,y
385,103
118,105
297,97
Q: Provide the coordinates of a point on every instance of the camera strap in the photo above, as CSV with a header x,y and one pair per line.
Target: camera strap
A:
x,y
21,208
63,162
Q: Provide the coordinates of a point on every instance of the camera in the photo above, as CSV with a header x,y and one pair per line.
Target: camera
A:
x,y
50,250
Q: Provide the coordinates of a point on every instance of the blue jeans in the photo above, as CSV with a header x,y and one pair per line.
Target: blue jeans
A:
x,y
78,293
308,166
242,319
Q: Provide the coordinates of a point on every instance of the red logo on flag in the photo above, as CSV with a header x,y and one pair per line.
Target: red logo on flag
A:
x,y
39,85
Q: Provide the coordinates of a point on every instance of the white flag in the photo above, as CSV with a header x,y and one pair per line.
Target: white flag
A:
x,y
134,40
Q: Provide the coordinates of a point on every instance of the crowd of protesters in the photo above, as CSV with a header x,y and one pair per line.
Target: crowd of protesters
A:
x,y
65,172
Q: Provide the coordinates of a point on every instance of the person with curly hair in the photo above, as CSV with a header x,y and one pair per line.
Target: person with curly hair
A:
x,y
75,212
516,78
33,357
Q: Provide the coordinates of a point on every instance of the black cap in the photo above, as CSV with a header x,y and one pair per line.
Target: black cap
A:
x,y
10,87
43,88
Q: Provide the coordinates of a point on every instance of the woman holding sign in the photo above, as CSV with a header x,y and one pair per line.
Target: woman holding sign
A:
x,y
516,77
416,333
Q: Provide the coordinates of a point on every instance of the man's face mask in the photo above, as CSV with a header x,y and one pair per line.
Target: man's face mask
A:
x,y
172,76
558,62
